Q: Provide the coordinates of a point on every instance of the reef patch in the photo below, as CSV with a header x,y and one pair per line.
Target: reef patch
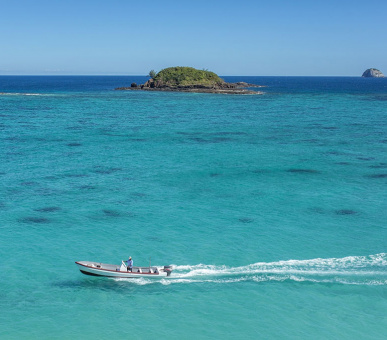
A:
x,y
376,176
346,212
48,209
246,220
33,219
111,213
303,171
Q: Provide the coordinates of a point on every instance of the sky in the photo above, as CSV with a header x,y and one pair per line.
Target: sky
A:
x,y
257,38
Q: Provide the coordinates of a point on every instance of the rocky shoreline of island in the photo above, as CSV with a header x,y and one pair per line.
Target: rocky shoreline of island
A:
x,y
225,88
188,79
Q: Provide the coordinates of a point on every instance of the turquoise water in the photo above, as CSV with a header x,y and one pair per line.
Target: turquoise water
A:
x,y
272,209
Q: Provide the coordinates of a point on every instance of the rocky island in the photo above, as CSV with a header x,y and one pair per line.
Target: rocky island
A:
x,y
373,73
189,79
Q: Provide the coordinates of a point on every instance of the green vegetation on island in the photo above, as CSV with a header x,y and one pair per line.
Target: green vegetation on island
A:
x,y
186,76
152,73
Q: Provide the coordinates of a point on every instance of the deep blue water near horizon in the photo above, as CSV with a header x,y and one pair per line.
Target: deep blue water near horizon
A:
x,y
272,209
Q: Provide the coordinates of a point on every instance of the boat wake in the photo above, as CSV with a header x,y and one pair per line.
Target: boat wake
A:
x,y
354,270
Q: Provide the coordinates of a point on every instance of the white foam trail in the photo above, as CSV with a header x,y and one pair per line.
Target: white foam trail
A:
x,y
353,270
260,279
29,94
19,94
139,281
362,265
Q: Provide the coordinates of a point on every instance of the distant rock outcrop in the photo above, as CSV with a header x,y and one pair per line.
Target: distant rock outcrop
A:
x,y
373,73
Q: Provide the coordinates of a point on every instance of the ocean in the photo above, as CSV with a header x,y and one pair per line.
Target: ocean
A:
x,y
271,208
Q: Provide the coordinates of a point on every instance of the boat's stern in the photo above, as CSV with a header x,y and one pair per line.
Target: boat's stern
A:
x,y
168,270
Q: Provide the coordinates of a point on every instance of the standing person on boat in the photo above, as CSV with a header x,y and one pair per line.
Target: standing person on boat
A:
x,y
130,264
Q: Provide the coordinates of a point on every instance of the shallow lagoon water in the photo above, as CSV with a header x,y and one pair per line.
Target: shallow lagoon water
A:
x,y
272,209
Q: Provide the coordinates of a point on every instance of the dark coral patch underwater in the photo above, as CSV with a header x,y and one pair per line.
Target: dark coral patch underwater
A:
x,y
378,166
48,209
246,220
304,171
111,213
346,212
33,219
376,176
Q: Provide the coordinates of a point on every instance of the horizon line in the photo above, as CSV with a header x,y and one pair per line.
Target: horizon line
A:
x,y
142,75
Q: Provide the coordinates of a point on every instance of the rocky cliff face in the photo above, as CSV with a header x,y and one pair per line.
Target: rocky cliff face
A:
x,y
373,73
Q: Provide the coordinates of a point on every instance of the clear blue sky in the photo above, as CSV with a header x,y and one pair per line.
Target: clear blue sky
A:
x,y
128,37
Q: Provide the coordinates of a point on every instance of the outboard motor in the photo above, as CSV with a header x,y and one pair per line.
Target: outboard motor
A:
x,y
168,270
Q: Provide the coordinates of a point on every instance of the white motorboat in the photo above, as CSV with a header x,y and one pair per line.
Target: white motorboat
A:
x,y
122,271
